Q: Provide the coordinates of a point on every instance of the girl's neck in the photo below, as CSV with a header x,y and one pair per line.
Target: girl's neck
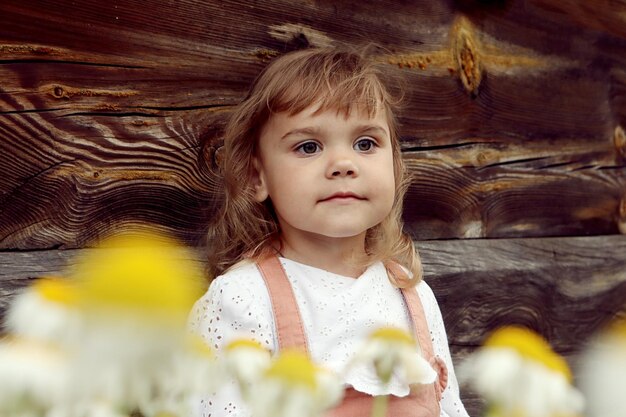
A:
x,y
331,254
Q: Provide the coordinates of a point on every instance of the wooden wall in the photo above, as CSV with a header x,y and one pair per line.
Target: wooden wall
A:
x,y
111,113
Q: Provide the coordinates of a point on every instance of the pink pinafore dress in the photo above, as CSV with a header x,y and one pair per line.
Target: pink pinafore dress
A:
x,y
423,401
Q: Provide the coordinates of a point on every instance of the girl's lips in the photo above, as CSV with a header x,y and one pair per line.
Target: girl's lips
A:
x,y
343,196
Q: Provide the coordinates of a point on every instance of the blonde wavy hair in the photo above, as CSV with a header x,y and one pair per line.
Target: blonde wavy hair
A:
x,y
334,78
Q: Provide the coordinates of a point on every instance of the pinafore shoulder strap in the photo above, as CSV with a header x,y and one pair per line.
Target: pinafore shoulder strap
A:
x,y
284,306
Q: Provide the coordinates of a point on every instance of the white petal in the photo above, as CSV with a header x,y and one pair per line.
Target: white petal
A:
x,y
417,369
35,370
32,316
602,376
330,389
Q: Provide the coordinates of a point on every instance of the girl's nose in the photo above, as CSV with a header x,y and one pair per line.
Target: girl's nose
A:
x,y
343,167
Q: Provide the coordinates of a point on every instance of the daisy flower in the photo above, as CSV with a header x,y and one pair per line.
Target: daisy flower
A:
x,y
45,311
134,294
190,374
293,386
119,332
603,372
245,361
391,350
149,277
518,374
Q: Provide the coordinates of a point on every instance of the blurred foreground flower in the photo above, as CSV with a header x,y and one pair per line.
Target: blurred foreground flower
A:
x,y
603,372
293,386
246,361
518,374
46,311
393,351
120,325
33,376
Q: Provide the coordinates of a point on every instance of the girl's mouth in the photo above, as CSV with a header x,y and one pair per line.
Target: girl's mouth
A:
x,y
343,196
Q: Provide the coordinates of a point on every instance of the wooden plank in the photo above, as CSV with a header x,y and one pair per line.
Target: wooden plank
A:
x,y
551,193
563,288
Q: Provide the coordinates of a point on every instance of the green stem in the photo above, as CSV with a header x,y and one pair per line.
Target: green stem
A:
x,y
379,408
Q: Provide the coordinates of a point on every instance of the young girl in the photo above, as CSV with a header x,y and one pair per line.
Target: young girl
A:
x,y
310,236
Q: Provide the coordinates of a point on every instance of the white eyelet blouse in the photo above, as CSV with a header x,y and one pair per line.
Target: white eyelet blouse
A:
x,y
338,315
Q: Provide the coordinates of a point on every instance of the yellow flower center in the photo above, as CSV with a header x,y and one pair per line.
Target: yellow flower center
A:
x,y
147,272
394,335
56,290
244,343
294,368
529,345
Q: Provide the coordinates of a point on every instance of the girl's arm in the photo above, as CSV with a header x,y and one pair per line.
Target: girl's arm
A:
x,y
451,405
235,306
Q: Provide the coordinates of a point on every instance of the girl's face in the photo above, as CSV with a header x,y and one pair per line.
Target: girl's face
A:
x,y
326,174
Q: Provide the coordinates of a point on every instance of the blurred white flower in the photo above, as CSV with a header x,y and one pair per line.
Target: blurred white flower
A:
x,y
190,375
45,311
120,327
294,387
145,277
134,294
393,351
603,372
246,361
33,376
196,367
84,408
518,374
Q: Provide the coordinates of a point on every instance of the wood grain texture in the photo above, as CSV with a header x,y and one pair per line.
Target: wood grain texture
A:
x,y
111,113
604,15
564,288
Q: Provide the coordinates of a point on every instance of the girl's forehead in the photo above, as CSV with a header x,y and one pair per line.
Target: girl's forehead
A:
x,y
317,118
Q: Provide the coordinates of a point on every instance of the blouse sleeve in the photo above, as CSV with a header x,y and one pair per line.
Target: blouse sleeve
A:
x,y
235,306
451,405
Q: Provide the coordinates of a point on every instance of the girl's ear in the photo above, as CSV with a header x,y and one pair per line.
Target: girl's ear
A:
x,y
258,181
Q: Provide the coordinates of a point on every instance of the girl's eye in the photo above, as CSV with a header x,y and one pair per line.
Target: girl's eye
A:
x,y
308,148
364,145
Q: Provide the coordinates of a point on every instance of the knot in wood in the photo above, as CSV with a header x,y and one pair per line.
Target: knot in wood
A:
x,y
466,56
58,92
301,41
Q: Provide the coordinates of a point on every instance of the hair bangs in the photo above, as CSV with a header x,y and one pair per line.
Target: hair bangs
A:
x,y
342,82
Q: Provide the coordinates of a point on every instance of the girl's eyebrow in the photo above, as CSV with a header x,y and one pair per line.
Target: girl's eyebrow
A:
x,y
314,131
306,131
372,129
